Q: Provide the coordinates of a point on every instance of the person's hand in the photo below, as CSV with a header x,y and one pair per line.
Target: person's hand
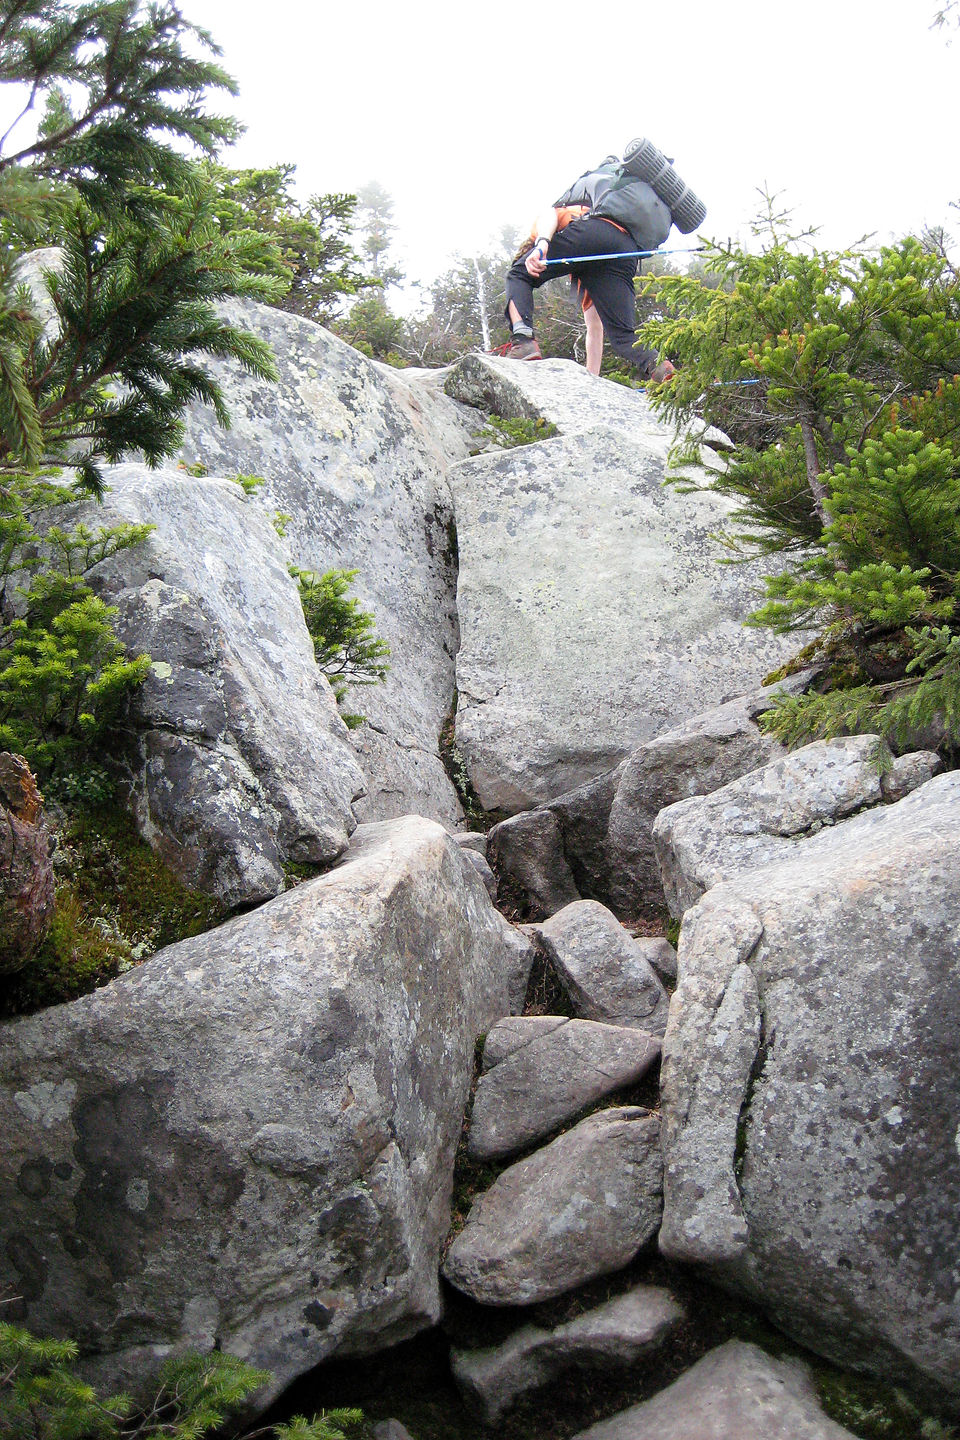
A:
x,y
536,261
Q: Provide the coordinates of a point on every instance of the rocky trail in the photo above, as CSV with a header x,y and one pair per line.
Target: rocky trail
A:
x,y
698,1197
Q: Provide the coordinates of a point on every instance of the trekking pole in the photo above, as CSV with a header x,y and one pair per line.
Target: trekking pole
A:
x,y
625,255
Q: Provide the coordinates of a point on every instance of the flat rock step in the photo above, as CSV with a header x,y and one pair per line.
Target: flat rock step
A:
x,y
545,1070
736,1392
611,1336
580,1207
604,970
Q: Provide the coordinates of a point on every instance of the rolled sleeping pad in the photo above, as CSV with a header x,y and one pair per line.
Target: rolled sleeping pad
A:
x,y
642,159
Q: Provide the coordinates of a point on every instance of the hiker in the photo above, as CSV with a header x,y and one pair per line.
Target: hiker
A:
x,y
606,212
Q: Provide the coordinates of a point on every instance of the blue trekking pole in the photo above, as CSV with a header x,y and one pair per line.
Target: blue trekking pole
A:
x,y
625,255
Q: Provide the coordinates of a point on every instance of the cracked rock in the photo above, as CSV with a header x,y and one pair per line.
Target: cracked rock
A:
x,y
546,1080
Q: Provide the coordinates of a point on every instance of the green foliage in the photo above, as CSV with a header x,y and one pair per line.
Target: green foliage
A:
x,y
838,376
119,82
316,259
135,304
102,357
41,1397
130,304
509,433
63,673
372,328
249,484
115,903
347,650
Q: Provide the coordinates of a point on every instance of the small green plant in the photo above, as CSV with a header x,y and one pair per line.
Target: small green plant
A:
x,y
63,672
344,643
249,484
506,433
42,1398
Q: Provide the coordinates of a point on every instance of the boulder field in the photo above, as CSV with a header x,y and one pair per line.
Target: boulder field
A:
x,y
250,1140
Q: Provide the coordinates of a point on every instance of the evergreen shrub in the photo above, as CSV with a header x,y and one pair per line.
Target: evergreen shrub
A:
x,y
42,1398
837,374
346,648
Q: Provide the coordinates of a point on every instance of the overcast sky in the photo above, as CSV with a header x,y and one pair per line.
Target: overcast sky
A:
x,y
474,116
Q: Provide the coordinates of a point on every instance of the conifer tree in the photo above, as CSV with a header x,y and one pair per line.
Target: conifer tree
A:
x,y
838,375
43,1398
103,350
317,258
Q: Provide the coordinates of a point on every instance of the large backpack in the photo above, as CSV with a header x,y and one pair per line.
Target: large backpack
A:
x,y
614,194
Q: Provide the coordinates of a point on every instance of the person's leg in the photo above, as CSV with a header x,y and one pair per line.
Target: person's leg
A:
x,y
594,337
610,283
612,292
520,287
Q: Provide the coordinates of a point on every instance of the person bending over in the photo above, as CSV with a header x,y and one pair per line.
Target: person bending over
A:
x,y
605,212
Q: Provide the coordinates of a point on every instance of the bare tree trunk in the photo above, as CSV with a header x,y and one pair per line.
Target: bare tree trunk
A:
x,y
813,465
482,298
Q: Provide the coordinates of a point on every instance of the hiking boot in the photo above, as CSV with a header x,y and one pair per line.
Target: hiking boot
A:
x,y
661,372
522,349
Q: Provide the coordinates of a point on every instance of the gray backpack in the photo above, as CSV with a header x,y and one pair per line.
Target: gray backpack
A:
x,y
615,195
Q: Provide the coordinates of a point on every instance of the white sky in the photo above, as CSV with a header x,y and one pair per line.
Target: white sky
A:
x,y
474,116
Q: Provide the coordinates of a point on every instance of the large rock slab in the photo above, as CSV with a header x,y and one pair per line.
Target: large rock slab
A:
x,y
697,758
526,1094
605,971
239,759
248,1141
593,611
610,1337
527,852
357,461
736,1392
762,816
580,1207
560,392
810,1084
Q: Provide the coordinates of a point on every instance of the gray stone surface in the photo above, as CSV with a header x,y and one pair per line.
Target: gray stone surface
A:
x,y
593,613
391,1430
907,772
762,816
478,862
812,1159
610,1337
525,1095
527,852
446,428
558,391
515,1031
662,956
604,970
239,759
361,473
708,751
736,1392
580,1207
248,1141
584,817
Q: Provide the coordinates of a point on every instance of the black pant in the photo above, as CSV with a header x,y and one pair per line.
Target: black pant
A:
x,y
608,282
